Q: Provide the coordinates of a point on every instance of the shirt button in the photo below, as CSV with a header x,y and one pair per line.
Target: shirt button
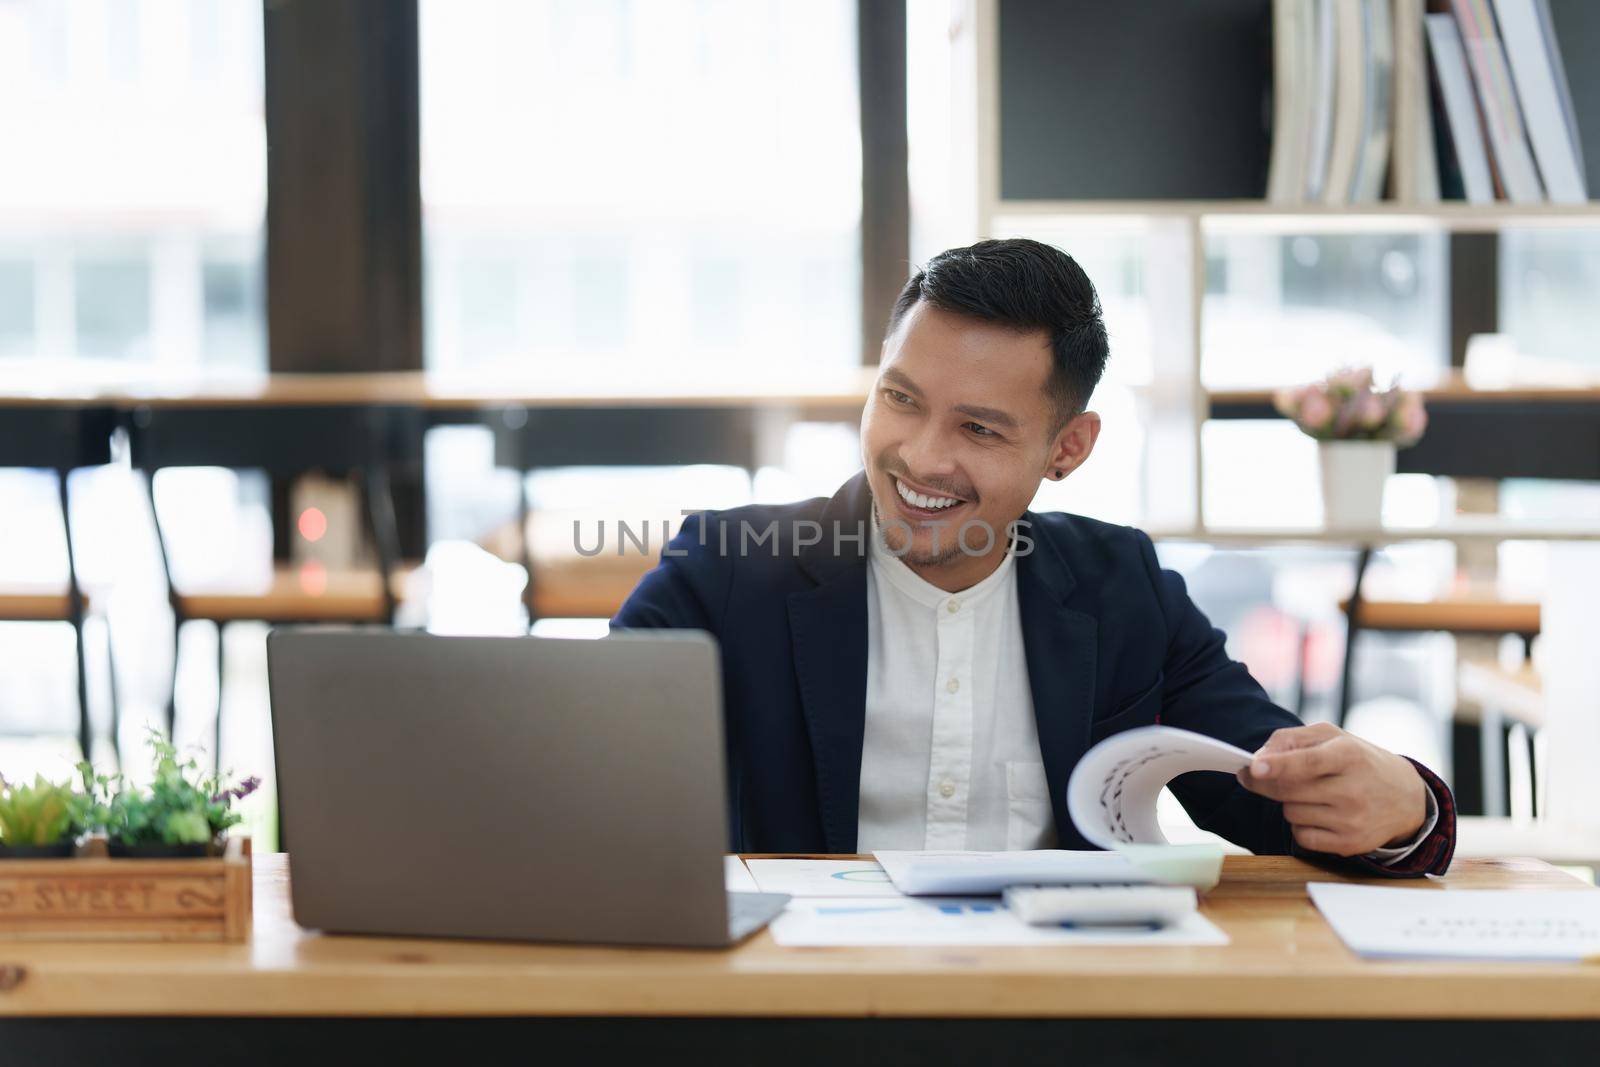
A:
x,y
952,685
947,788
952,606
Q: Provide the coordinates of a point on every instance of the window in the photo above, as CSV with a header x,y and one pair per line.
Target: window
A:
x,y
1548,280
132,200
1123,476
1285,308
133,231
671,184
16,306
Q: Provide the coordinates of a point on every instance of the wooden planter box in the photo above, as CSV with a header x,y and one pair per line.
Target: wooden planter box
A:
x,y
91,897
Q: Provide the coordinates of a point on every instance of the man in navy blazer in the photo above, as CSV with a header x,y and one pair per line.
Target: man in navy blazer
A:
x,y
839,619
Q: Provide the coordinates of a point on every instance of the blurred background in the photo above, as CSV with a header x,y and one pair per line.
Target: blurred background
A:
x,y
614,259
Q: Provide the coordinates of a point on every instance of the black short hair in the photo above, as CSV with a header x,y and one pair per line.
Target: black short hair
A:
x,y
1028,286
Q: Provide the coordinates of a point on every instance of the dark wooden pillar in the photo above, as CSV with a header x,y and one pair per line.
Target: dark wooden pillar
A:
x,y
885,189
344,203
1474,290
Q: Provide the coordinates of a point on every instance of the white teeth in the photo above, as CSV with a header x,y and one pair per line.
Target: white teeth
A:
x,y
919,501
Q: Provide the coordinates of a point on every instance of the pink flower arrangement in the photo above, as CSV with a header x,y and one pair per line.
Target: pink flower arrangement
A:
x,y
1345,406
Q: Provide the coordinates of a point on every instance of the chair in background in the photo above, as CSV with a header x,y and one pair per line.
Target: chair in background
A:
x,y
1482,734
1481,613
525,440
60,438
361,443
572,585
1507,708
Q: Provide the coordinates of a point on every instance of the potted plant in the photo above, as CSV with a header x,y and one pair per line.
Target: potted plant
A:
x,y
180,814
1358,429
40,820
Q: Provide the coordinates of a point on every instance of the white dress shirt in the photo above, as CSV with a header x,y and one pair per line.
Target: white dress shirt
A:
x,y
950,756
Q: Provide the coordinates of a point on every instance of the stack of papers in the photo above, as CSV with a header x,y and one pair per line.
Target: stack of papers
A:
x,y
1469,924
841,903
924,873
976,873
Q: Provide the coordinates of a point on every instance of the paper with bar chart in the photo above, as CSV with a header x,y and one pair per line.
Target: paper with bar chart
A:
x,y
821,878
818,922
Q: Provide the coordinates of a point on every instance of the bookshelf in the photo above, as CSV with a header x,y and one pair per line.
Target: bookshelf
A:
x,y
1176,232
1453,215
1459,529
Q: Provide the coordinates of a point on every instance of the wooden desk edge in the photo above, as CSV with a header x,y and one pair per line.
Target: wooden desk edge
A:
x,y
285,972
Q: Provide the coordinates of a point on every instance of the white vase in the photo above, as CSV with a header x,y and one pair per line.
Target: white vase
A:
x,y
1353,477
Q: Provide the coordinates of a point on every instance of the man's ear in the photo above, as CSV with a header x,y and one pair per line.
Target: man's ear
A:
x,y
1072,445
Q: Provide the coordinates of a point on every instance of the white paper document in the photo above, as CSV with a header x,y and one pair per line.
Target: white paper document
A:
x,y
977,873
821,922
821,878
736,877
1112,793
1476,924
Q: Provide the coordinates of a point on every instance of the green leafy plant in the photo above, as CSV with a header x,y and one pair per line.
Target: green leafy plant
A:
x,y
180,807
44,813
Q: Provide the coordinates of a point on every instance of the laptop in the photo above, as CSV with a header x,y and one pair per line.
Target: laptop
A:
x,y
517,788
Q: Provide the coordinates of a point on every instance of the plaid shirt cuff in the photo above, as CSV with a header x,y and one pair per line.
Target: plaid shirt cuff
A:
x,y
1431,855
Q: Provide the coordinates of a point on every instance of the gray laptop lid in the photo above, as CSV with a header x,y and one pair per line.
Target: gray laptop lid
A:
x,y
529,788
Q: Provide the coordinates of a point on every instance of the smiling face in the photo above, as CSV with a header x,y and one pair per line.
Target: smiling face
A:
x,y
958,432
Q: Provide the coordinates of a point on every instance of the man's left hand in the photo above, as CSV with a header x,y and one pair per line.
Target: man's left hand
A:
x,y
1340,794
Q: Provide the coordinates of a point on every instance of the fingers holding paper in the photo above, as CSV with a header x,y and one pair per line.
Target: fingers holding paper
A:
x,y
1340,794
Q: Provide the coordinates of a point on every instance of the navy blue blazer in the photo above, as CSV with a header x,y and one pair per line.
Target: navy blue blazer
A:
x,y
1112,642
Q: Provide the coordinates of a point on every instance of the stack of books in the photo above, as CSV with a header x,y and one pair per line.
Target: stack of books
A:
x,y
1423,100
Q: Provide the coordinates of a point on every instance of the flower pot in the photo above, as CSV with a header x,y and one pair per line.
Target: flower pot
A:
x,y
59,850
118,850
1353,477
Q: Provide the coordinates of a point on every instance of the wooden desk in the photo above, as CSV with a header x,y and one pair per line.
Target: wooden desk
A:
x,y
643,418
44,387
1285,977
290,595
291,423
1456,615
1451,389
